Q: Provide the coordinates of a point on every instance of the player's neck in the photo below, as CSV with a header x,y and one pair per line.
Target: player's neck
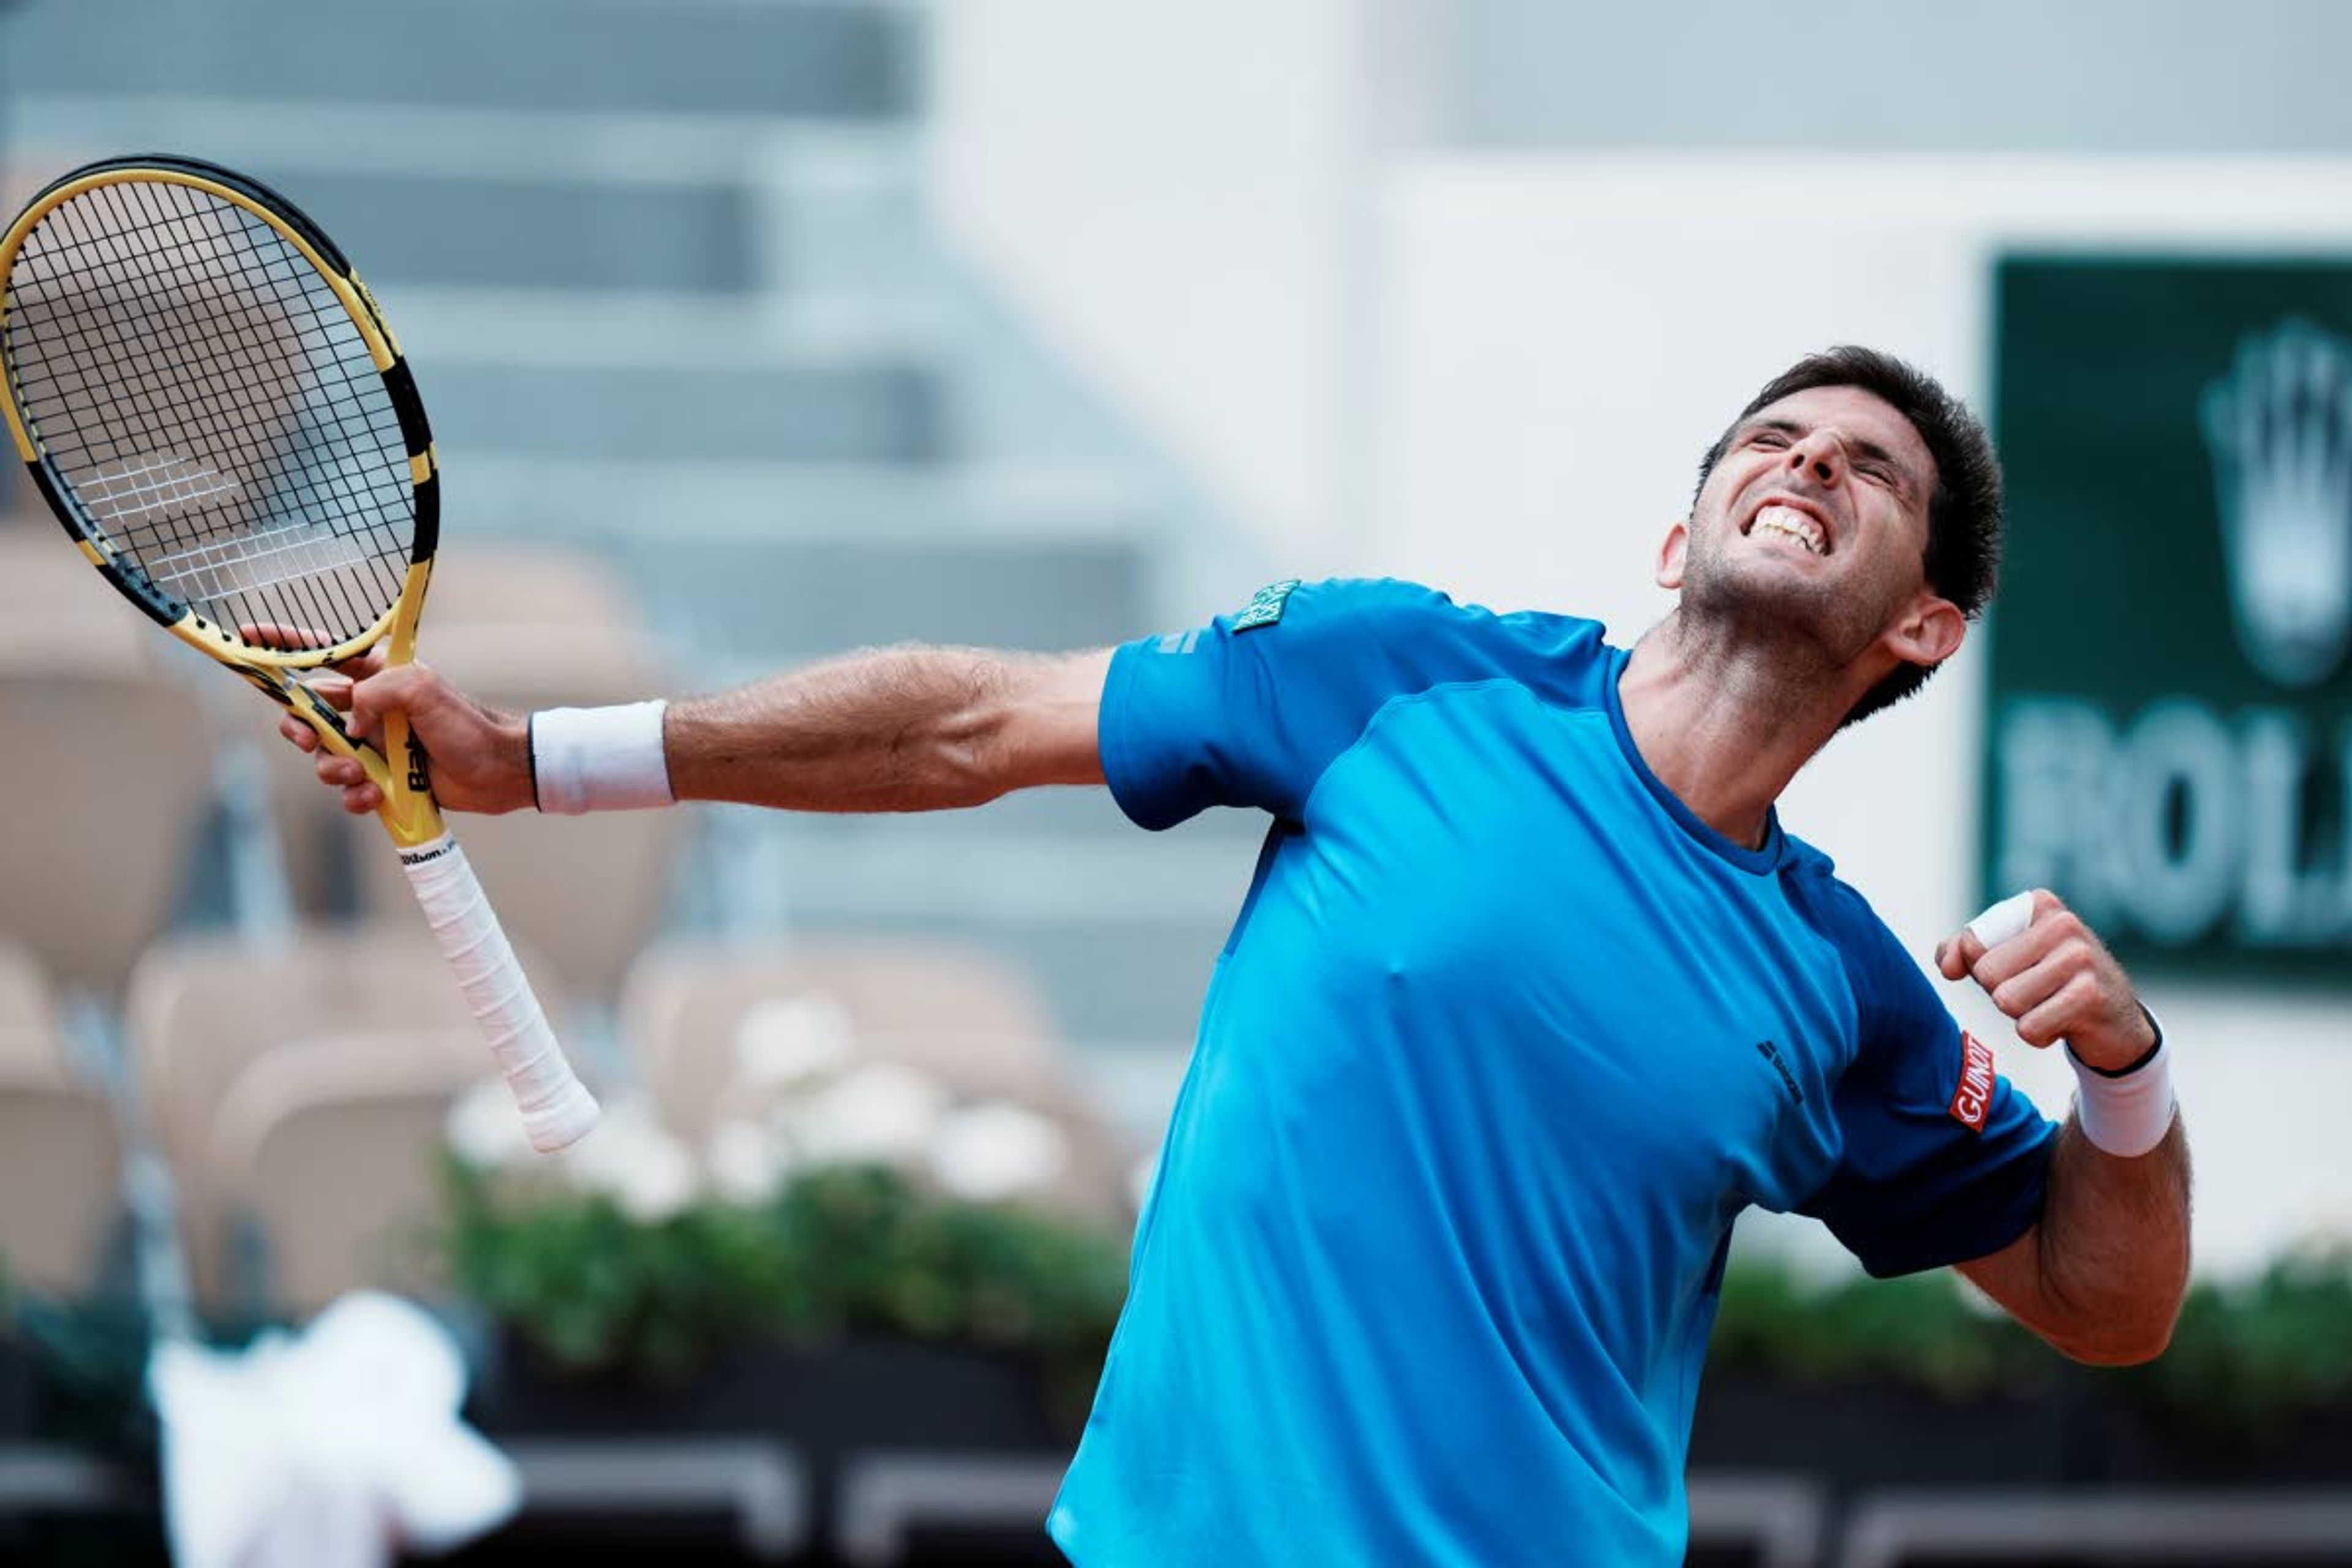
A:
x,y
1725,726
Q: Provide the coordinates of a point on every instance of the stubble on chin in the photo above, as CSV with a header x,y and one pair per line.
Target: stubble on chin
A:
x,y
1817,625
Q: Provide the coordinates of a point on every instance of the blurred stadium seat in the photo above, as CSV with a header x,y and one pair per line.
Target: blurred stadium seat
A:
x,y
91,714
60,1157
91,886
30,1047
967,1022
58,608
60,1183
510,583
202,1011
944,1007
329,1148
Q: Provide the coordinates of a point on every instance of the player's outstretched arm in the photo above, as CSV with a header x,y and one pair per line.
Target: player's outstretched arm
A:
x,y
902,729
2102,1274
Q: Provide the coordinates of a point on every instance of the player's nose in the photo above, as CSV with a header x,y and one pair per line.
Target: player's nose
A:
x,y
1820,456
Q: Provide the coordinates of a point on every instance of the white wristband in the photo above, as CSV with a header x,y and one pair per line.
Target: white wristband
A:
x,y
599,759
2127,1116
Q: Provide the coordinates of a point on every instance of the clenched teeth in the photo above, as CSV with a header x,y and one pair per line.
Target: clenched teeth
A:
x,y
1788,519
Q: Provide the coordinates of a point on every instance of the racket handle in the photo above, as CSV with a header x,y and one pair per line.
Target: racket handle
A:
x,y
557,1110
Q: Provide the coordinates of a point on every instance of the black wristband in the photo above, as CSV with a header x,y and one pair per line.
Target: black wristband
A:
x,y
2145,1057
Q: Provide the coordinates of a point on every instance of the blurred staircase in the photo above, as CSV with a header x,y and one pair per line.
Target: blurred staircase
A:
x,y
666,275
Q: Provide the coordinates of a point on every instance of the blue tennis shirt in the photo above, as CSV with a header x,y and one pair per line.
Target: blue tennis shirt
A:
x,y
1503,1041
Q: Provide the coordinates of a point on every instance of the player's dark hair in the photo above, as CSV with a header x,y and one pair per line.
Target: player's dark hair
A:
x,y
1962,560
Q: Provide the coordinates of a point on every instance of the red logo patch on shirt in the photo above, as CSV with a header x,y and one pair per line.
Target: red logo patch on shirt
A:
x,y
1972,1100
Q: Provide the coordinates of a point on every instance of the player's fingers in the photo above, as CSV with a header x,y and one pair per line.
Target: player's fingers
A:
x,y
387,691
1955,953
2007,919
281,635
2020,994
2054,1019
341,771
1958,955
2005,962
304,738
334,691
362,799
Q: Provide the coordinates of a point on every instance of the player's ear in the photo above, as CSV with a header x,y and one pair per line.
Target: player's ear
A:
x,y
1673,555
1928,631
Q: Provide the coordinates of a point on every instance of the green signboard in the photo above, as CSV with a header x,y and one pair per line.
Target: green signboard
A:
x,y
2169,736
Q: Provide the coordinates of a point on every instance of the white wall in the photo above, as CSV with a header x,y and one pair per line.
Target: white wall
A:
x,y
1560,337
1168,190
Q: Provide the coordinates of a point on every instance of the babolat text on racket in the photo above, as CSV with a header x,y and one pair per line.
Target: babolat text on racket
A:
x,y
208,398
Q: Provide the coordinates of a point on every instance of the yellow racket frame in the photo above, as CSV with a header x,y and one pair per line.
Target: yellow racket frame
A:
x,y
408,812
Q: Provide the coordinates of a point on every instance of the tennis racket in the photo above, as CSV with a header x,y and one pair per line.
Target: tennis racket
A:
x,y
208,398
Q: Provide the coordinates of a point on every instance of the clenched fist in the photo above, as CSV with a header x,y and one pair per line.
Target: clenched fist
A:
x,y
2054,977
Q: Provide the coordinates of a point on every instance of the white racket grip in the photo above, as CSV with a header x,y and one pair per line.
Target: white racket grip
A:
x,y
557,1109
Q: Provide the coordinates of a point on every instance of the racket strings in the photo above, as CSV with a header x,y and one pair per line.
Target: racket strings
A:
x,y
273,277
206,395
127,360
245,394
303,556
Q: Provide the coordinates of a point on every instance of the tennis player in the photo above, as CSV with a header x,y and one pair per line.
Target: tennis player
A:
x,y
1530,996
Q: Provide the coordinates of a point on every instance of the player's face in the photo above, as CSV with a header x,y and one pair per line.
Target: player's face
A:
x,y
1814,521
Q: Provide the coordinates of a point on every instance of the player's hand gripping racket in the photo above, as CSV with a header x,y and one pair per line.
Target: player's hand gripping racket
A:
x,y
209,400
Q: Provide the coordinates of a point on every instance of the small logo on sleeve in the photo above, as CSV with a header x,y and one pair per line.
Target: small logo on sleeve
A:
x,y
1972,1100
1265,606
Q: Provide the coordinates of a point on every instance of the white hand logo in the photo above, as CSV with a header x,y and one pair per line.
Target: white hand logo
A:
x,y
2279,427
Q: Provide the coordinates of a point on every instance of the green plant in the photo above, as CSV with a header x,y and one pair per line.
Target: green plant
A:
x,y
839,1251
2247,1358
1920,1331
2253,1357
855,1250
